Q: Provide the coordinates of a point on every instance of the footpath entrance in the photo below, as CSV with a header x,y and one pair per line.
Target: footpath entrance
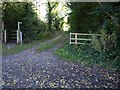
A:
x,y
14,36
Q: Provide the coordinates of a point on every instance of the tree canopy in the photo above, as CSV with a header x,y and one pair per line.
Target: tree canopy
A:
x,y
92,16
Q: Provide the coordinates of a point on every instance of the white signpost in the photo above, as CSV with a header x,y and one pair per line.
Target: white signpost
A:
x,y
5,36
20,37
19,34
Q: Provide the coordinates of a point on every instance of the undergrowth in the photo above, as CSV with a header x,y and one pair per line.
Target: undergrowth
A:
x,y
87,55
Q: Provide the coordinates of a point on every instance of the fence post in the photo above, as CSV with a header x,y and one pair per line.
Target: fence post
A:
x,y
2,35
5,36
18,33
18,36
21,37
92,36
70,38
75,38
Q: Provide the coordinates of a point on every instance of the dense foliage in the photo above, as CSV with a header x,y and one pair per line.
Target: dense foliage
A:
x,y
80,20
32,27
87,17
88,55
102,18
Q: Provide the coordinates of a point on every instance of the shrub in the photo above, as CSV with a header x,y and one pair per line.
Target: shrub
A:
x,y
105,42
88,55
43,35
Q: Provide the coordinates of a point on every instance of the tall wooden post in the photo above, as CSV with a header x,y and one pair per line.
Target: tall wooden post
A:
x,y
18,36
5,36
18,33
75,38
2,30
70,38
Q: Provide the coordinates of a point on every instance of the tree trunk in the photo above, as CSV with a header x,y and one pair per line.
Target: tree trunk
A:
x,y
49,17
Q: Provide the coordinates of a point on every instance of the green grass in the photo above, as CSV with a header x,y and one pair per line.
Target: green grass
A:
x,y
63,53
85,55
18,48
49,45
49,35
44,47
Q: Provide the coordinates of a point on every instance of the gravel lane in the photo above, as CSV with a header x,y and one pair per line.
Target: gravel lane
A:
x,y
30,69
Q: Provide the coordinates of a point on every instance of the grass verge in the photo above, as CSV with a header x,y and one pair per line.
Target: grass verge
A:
x,y
18,48
47,46
86,55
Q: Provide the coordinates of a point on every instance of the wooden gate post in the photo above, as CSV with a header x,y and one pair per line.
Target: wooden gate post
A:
x,y
70,38
18,36
5,36
75,38
18,33
21,37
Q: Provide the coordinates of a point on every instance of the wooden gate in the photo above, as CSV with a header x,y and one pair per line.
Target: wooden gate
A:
x,y
14,36
75,38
